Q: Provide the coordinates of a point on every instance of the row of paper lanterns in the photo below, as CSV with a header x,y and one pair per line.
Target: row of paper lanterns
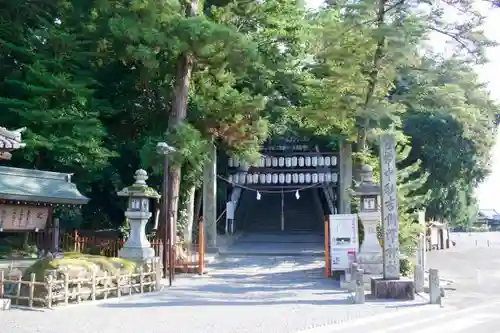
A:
x,y
290,162
283,178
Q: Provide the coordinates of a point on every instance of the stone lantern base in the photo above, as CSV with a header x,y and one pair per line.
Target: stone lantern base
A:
x,y
137,253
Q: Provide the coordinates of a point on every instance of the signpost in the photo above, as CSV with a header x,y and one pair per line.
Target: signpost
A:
x,y
389,207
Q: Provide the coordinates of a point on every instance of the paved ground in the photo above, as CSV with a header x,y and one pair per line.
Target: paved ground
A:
x,y
481,318
470,264
242,294
277,244
472,302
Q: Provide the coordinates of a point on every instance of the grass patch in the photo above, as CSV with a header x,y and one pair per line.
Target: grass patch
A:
x,y
88,262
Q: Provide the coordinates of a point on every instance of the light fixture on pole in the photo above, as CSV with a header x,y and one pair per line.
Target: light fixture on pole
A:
x,y
258,195
297,195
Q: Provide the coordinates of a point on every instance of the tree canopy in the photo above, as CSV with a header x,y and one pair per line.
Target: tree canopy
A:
x,y
98,83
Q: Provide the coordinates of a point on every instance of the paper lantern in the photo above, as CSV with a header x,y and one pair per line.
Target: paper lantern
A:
x,y
255,177
314,178
321,177
275,178
301,178
281,178
262,178
307,177
269,178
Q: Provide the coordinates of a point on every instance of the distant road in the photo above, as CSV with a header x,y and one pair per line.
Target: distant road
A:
x,y
473,264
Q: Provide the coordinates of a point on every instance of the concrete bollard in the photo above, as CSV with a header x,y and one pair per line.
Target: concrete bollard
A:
x,y
419,279
359,292
434,287
4,304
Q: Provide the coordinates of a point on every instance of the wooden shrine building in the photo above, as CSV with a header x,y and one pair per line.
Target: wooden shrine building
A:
x,y
27,197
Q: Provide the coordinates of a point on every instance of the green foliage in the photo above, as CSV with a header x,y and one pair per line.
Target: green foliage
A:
x,y
93,82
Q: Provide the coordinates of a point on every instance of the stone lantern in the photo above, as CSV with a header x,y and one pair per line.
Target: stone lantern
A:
x,y
370,253
137,246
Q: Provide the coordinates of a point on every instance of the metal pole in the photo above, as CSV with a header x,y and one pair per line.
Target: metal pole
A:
x,y
282,210
165,219
166,235
171,256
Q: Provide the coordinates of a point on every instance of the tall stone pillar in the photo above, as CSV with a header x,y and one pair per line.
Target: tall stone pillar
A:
x,y
210,199
345,177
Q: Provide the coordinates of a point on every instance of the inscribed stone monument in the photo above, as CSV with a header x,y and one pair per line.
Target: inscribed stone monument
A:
x,y
389,207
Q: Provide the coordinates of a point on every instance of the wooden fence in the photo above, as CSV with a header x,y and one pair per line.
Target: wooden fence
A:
x,y
65,291
189,258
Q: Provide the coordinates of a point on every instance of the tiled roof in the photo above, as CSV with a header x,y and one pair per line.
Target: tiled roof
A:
x,y
10,140
39,186
488,213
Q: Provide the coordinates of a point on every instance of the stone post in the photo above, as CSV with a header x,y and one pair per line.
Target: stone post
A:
x,y
345,177
209,200
419,273
137,246
421,253
419,279
434,287
389,207
359,293
55,235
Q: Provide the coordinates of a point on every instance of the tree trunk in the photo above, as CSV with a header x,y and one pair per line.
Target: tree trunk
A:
x,y
197,204
178,115
188,229
373,77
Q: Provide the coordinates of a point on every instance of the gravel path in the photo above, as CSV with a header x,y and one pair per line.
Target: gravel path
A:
x,y
241,295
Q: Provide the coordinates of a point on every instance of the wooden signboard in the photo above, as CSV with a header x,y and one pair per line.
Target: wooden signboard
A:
x,y
14,218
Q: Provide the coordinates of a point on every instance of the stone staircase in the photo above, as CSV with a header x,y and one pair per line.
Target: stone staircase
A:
x,y
264,215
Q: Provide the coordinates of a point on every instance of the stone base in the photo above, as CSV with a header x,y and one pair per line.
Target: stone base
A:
x,y
137,253
371,268
393,289
4,304
212,249
371,263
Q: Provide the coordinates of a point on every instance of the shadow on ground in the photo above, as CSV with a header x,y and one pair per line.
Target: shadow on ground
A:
x,y
272,281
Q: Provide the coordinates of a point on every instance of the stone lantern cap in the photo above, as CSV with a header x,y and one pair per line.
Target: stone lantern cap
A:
x,y
366,186
140,188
